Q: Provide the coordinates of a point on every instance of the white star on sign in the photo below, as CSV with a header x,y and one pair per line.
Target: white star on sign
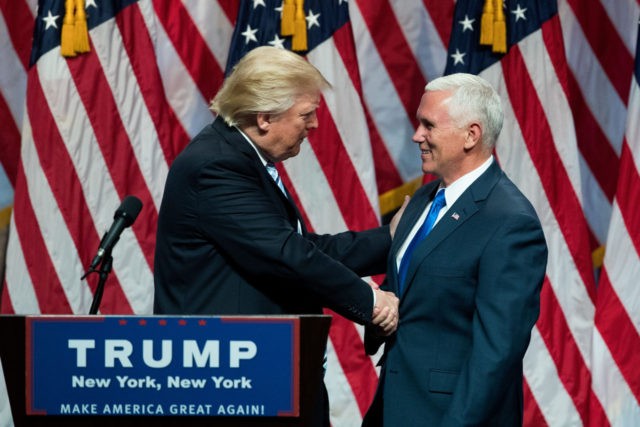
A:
x,y
257,3
457,57
249,35
50,20
519,13
279,9
277,42
312,19
90,3
467,23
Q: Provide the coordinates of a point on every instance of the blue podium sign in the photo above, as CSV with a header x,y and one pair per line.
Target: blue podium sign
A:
x,y
113,365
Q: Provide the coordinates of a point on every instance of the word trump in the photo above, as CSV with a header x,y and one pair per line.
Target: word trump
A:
x,y
120,351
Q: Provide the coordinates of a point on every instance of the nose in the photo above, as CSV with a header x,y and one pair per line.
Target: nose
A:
x,y
419,135
313,121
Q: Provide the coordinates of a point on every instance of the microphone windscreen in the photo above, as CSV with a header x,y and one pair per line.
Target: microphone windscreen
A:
x,y
129,210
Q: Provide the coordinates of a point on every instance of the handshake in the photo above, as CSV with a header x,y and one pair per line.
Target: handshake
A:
x,y
385,313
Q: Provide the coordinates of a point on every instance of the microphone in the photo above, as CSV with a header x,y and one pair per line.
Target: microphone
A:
x,y
125,215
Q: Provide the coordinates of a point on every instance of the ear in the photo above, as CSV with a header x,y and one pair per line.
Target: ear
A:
x,y
264,121
474,136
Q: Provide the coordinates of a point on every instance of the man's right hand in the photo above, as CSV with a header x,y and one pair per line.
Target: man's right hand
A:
x,y
385,313
398,216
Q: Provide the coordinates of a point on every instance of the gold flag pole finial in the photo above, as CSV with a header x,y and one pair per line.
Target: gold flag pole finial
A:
x,y
81,42
499,29
74,37
67,35
486,23
286,21
299,41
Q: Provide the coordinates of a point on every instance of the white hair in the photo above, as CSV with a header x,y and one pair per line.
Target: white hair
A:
x,y
473,99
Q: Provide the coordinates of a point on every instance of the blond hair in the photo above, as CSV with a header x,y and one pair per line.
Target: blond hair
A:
x,y
265,80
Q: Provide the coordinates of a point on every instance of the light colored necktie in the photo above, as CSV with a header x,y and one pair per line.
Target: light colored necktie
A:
x,y
271,168
438,203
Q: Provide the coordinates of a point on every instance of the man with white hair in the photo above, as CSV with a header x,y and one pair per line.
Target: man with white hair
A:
x,y
467,262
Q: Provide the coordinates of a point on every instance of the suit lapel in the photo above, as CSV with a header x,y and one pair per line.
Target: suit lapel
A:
x,y
409,218
237,140
464,208
412,214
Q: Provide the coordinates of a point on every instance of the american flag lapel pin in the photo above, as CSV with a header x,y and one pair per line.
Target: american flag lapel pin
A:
x,y
455,216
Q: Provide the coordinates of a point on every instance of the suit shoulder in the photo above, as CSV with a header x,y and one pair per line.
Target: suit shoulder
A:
x,y
207,148
426,189
511,199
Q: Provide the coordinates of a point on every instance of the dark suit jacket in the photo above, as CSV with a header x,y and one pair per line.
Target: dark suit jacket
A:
x,y
470,302
227,241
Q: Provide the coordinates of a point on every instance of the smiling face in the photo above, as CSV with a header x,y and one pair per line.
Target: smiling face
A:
x,y
443,145
282,134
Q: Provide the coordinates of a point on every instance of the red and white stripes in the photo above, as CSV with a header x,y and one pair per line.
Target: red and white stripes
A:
x,y
109,123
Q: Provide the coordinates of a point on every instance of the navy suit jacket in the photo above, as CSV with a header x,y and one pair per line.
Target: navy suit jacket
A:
x,y
470,301
227,241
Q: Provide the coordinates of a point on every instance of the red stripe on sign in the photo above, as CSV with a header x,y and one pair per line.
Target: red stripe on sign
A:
x,y
628,195
230,8
552,36
6,307
591,141
538,138
67,190
395,52
572,369
357,366
532,414
342,177
10,146
618,332
115,144
387,175
597,151
46,284
20,27
191,47
173,137
612,54
441,12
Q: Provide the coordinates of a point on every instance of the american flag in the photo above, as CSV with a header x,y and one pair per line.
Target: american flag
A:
x,y
79,134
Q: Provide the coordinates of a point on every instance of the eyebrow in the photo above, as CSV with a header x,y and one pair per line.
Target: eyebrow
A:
x,y
424,121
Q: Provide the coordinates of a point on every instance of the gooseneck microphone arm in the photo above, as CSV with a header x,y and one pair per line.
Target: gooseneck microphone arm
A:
x,y
105,269
124,217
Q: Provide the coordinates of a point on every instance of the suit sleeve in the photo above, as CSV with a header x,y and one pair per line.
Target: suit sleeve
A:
x,y
373,341
364,252
248,225
511,272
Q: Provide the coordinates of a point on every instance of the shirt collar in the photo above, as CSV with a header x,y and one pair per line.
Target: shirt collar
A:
x,y
253,145
456,188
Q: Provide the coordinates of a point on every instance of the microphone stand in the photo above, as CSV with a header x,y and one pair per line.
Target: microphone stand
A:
x,y
105,269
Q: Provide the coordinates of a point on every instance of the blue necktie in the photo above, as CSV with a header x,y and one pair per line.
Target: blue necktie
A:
x,y
438,203
271,168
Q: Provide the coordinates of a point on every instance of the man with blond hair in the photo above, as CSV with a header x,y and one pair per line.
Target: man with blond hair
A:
x,y
231,240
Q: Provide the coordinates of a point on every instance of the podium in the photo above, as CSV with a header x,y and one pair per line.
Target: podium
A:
x,y
50,359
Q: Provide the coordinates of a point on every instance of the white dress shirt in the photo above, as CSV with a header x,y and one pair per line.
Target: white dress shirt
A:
x,y
451,194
